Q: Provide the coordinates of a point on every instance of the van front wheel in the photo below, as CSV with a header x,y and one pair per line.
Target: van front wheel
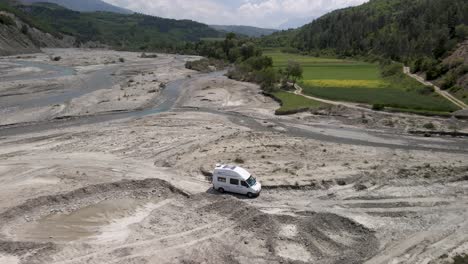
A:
x,y
221,190
250,195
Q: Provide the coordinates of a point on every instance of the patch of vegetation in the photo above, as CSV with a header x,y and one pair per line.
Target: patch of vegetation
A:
x,y
378,107
429,126
293,103
239,160
206,65
460,259
24,29
6,20
31,21
148,56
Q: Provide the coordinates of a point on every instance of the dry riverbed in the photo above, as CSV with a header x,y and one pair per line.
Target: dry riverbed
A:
x,y
137,190
88,82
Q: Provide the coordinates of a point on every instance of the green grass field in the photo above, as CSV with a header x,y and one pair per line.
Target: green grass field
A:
x,y
361,82
292,102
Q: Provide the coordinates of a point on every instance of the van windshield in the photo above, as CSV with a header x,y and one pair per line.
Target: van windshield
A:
x,y
251,181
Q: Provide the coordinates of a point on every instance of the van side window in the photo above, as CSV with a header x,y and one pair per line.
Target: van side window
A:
x,y
221,179
234,182
243,183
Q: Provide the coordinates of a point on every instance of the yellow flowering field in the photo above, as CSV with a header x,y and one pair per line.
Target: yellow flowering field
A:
x,y
347,83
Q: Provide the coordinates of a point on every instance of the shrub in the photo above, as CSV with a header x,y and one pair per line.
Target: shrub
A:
x,y
205,65
455,88
24,29
461,31
122,60
378,107
360,187
259,62
429,126
341,182
148,56
455,63
6,20
267,79
426,90
56,58
416,66
290,50
435,71
391,69
460,259
239,160
449,81
463,70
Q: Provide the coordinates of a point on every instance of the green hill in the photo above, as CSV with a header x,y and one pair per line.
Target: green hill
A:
x,y
84,5
419,33
121,31
396,29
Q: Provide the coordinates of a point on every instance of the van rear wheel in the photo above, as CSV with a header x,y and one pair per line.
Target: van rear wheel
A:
x,y
250,195
221,190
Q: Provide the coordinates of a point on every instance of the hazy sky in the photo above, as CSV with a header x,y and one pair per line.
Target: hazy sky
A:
x,y
262,13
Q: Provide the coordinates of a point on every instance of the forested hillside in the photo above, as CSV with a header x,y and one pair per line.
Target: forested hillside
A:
x,y
397,29
83,5
420,33
120,31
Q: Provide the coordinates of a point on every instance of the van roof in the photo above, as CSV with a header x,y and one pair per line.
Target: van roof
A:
x,y
241,171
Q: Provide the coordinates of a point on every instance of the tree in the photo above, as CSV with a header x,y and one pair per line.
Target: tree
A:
x,y
248,50
230,36
24,29
267,79
294,71
461,32
259,62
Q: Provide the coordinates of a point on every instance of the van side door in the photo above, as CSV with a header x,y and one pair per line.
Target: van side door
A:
x,y
244,187
234,185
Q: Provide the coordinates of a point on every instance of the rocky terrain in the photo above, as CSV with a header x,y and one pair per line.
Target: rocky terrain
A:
x,y
457,76
20,38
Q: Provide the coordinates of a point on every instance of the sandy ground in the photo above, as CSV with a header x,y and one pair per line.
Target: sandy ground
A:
x,y
137,190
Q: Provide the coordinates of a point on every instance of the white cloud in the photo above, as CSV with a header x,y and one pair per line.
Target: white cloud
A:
x,y
262,13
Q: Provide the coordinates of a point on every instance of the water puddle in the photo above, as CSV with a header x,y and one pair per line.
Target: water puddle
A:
x,y
29,70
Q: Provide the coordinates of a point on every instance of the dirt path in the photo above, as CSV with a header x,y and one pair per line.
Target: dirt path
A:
x,y
299,91
443,93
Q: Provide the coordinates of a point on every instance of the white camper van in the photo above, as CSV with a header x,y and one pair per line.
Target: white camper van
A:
x,y
227,178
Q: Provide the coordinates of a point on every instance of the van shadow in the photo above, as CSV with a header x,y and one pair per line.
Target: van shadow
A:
x,y
238,196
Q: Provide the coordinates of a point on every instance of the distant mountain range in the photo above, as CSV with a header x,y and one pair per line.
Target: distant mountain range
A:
x,y
295,23
83,5
245,30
